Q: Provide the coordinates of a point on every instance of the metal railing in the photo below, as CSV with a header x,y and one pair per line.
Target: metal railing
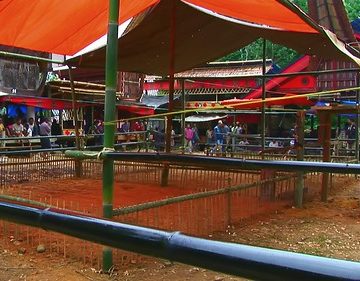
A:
x,y
241,260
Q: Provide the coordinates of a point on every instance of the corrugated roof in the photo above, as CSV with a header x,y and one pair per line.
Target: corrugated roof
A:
x,y
224,70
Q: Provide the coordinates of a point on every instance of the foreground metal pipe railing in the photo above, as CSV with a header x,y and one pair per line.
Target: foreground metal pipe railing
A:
x,y
217,162
241,260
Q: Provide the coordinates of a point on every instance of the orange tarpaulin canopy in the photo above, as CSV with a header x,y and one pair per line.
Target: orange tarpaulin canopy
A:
x,y
65,27
205,30
59,26
269,13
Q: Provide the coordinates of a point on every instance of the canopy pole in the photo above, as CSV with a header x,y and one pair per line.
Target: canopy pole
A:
x,y
78,168
165,172
263,97
325,134
299,187
109,125
183,102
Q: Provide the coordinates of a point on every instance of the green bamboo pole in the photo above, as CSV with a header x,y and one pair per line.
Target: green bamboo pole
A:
x,y
28,57
109,126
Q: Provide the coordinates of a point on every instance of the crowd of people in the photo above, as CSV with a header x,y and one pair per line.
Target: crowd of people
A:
x,y
29,128
220,137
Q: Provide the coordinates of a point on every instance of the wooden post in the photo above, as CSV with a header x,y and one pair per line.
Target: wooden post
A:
x,y
263,97
324,138
78,164
183,102
299,188
165,171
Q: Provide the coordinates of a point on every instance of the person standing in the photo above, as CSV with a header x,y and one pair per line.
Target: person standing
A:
x,y
45,131
189,135
33,127
158,139
209,137
219,134
351,135
196,138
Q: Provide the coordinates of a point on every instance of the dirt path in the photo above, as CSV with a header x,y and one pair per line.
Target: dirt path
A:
x,y
328,229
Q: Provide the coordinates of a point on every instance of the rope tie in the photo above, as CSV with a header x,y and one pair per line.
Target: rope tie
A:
x,y
104,150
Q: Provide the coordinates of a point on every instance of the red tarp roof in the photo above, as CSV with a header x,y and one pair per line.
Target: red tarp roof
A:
x,y
51,103
45,103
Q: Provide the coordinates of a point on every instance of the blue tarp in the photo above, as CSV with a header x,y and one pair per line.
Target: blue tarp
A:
x,y
356,25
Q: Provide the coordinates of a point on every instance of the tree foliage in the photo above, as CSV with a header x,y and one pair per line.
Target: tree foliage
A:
x,y
279,54
353,9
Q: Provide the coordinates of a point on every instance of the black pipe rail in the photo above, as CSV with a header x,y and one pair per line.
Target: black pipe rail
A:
x,y
229,163
236,259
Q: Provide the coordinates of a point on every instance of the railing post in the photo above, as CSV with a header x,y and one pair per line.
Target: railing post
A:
x,y
299,187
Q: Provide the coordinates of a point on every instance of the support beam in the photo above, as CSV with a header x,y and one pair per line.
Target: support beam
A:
x,y
78,164
109,124
169,118
183,125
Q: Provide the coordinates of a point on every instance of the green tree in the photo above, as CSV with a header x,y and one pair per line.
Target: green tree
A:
x,y
279,54
353,9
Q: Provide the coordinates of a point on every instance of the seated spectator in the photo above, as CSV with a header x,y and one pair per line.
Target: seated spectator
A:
x,y
273,143
18,128
125,127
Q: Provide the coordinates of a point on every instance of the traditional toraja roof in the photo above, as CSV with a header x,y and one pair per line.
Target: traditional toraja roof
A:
x,y
332,15
299,65
208,79
226,69
204,91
